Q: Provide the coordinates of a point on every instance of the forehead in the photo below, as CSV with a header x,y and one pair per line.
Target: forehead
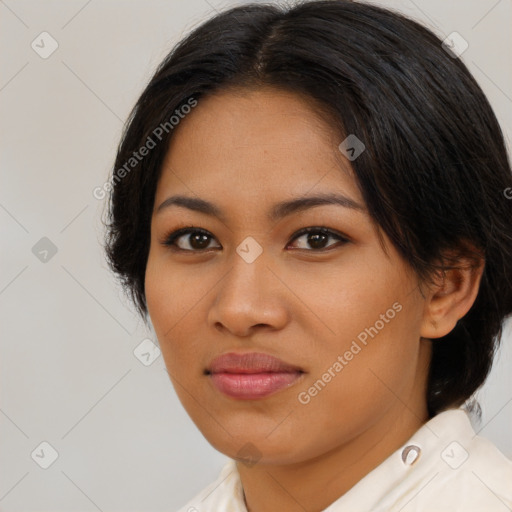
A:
x,y
256,142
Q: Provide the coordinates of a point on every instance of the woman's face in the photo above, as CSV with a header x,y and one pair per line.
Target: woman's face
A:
x,y
344,316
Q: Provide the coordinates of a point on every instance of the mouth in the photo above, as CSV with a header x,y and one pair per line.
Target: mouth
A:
x,y
251,376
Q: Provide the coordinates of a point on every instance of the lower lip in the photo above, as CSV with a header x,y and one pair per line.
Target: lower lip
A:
x,y
251,386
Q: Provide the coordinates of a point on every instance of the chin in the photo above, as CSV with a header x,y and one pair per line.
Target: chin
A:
x,y
257,449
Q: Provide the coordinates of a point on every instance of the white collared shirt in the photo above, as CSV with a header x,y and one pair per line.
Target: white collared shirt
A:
x,y
444,467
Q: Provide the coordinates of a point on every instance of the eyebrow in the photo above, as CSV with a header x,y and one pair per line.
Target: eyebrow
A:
x,y
278,211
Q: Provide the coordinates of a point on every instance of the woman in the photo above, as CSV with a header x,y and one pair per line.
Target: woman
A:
x,y
310,204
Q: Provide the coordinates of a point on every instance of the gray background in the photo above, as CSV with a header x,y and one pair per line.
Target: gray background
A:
x,y
68,372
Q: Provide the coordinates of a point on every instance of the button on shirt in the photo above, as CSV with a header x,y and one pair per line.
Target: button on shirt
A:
x,y
444,467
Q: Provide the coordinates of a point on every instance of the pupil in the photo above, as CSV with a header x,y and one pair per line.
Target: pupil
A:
x,y
317,240
199,241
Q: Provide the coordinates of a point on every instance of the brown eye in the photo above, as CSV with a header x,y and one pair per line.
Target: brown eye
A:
x,y
317,238
190,239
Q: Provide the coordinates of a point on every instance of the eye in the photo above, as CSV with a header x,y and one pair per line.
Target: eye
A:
x,y
193,239
317,238
190,239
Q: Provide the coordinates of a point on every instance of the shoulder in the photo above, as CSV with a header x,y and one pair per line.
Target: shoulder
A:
x,y
477,476
225,493
460,470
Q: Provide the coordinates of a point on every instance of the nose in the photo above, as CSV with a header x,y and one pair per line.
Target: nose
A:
x,y
249,298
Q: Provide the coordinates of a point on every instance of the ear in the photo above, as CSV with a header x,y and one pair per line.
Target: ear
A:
x,y
450,297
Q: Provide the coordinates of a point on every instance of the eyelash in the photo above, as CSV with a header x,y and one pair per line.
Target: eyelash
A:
x,y
170,239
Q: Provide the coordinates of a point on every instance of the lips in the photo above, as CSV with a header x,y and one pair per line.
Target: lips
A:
x,y
251,376
252,362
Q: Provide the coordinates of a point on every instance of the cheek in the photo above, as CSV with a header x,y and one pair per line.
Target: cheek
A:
x,y
350,303
175,301
165,303
376,334
170,293
354,384
368,353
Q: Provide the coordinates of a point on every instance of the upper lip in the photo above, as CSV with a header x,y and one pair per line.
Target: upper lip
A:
x,y
249,362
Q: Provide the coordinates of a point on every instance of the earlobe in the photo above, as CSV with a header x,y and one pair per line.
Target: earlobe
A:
x,y
450,298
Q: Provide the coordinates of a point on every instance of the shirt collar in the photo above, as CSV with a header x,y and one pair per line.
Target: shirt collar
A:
x,y
439,441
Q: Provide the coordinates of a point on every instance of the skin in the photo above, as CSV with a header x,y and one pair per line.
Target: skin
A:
x,y
244,151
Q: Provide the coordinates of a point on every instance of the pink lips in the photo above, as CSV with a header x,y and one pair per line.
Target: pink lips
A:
x,y
252,375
